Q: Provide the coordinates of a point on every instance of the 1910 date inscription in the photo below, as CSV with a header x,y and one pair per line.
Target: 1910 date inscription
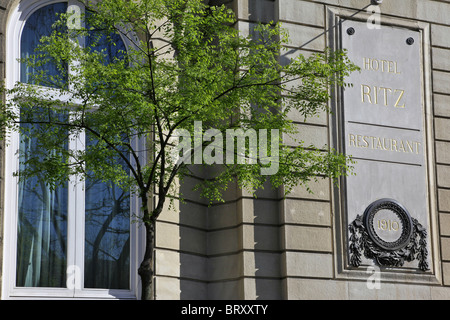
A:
x,y
389,225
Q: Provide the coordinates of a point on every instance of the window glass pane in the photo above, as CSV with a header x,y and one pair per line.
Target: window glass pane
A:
x,y
42,217
111,46
107,234
107,226
38,25
42,226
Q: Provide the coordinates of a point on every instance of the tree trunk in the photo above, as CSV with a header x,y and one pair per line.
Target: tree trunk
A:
x,y
146,268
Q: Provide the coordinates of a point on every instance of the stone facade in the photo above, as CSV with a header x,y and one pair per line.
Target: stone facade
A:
x,y
291,248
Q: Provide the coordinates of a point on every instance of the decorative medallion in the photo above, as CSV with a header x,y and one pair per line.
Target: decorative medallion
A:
x,y
388,234
388,224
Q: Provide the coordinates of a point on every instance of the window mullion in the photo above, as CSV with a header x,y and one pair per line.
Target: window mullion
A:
x,y
75,23
76,219
77,206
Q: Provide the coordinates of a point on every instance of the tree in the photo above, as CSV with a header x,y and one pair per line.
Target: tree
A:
x,y
187,73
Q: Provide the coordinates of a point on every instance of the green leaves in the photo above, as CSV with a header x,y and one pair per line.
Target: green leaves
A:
x,y
184,62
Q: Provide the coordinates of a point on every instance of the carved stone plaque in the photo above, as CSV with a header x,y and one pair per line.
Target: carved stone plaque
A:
x,y
383,121
388,224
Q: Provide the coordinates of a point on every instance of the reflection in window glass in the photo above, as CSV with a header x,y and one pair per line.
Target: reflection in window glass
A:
x,y
107,208
111,46
42,226
42,214
38,25
107,233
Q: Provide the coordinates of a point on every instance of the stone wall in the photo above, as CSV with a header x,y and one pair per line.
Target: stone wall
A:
x,y
289,248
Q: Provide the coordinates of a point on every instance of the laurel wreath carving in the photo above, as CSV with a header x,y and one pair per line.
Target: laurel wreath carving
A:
x,y
360,241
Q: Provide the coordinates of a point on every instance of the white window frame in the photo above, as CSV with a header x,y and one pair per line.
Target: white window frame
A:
x,y
76,201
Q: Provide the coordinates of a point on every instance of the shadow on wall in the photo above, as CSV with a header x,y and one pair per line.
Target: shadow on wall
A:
x,y
267,249
216,260
226,253
193,244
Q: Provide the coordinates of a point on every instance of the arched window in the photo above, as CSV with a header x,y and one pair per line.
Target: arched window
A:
x,y
38,25
75,240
